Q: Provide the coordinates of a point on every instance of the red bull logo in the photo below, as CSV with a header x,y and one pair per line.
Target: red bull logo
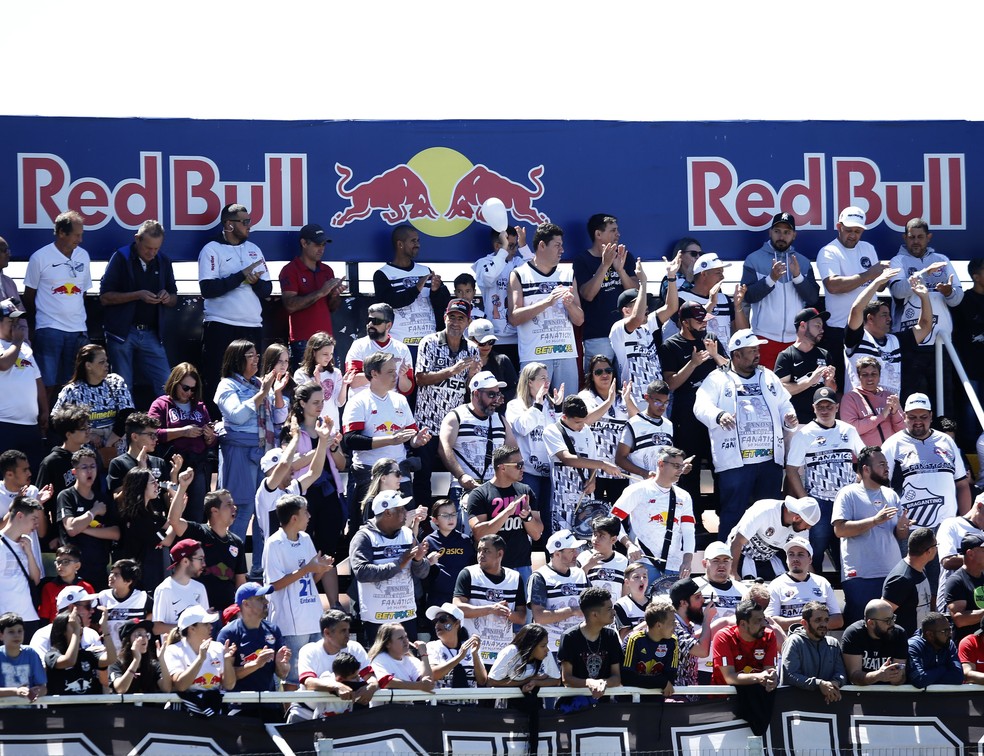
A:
x,y
68,288
439,192
388,427
657,517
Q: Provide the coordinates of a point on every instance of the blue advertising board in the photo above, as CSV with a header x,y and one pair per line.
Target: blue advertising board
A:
x,y
718,181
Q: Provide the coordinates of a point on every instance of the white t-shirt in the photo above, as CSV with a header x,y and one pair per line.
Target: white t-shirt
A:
x,y
13,585
836,260
180,656
787,597
378,416
827,457
646,505
314,661
61,283
364,347
132,607
331,384
266,502
414,321
608,573
527,425
762,526
407,669
19,388
241,306
645,436
6,499
756,431
929,471
91,641
637,357
568,482
171,598
508,659
296,609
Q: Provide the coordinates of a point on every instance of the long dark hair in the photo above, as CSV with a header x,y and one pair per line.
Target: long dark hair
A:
x,y
526,640
58,627
589,379
316,343
131,503
302,396
83,357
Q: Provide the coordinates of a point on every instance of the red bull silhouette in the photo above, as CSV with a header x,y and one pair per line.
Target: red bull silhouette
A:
x,y
66,289
399,193
482,183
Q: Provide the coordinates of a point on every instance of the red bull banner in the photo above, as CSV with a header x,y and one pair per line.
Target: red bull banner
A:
x,y
721,182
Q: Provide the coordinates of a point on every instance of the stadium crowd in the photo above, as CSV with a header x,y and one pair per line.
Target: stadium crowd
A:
x,y
580,412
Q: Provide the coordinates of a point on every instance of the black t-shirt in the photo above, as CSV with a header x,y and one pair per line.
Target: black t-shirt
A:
x,y
792,362
56,470
121,465
590,660
146,680
901,587
489,500
968,333
78,680
676,352
874,651
962,586
95,551
224,559
600,313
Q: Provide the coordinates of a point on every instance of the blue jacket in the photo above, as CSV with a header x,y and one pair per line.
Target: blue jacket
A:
x,y
927,666
119,277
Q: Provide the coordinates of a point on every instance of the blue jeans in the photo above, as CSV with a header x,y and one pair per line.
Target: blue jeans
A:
x,y
741,487
143,347
239,473
822,538
295,643
297,353
857,593
55,353
563,371
600,345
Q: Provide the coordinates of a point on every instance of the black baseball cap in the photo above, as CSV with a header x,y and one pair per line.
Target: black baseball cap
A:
x,y
312,232
810,313
788,218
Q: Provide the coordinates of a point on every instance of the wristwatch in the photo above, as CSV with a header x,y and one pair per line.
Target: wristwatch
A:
x,y
528,518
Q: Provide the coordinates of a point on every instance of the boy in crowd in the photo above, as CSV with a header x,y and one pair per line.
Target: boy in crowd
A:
x,y
68,561
449,553
21,669
604,566
652,656
464,288
87,520
590,654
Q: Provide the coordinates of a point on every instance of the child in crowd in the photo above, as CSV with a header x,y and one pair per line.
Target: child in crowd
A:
x,y
464,288
630,610
21,669
449,553
68,561
123,601
318,366
344,669
652,655
604,566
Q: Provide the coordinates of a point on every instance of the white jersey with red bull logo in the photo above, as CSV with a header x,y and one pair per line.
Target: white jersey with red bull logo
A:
x,y
61,283
492,275
416,320
924,474
240,306
363,348
549,335
377,416
644,506
19,388
181,656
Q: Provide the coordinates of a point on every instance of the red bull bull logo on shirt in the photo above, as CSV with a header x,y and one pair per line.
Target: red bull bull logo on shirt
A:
x,y
439,192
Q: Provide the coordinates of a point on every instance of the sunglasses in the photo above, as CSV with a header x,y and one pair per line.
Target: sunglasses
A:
x,y
443,619
603,371
518,465
186,387
378,321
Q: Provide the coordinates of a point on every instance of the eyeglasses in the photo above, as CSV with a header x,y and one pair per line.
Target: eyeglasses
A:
x,y
244,221
448,515
63,562
378,321
603,371
147,433
693,253
887,620
675,465
492,394
658,403
186,387
83,429
518,465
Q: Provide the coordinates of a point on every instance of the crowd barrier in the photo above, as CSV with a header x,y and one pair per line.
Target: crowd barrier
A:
x,y
873,720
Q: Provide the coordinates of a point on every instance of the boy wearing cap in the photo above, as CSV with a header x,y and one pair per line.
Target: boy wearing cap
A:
x,y
926,467
763,530
310,292
791,591
470,433
180,590
804,366
820,463
446,361
604,271
555,586
636,338
23,399
780,282
78,598
746,409
385,558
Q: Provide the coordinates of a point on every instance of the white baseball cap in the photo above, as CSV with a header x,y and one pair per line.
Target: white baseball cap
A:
x,y
852,217
195,614
918,401
708,261
563,539
485,380
744,338
807,508
447,608
271,459
388,500
717,549
797,541
73,594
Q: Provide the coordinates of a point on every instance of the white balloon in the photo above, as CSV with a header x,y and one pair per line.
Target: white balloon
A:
x,y
495,214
